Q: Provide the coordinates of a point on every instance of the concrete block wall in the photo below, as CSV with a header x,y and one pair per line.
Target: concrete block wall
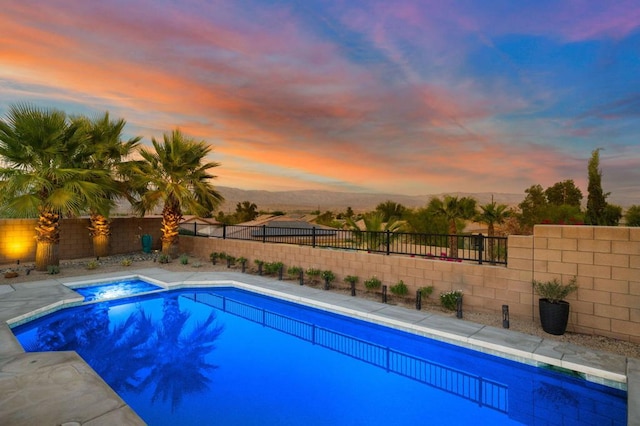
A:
x,y
605,261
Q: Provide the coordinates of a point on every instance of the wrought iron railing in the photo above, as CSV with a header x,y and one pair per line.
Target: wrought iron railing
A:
x,y
456,248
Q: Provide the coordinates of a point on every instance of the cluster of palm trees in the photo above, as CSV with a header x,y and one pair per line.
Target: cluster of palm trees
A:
x,y
450,211
53,165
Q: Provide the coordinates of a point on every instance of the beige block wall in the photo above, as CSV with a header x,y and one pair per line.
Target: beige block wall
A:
x,y
17,237
605,261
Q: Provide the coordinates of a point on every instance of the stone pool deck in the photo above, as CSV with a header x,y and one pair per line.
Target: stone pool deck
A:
x,y
59,388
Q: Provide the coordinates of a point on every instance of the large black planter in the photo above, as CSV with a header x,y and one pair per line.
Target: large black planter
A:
x,y
554,316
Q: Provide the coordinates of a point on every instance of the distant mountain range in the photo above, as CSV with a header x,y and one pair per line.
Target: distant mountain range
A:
x,y
310,200
306,201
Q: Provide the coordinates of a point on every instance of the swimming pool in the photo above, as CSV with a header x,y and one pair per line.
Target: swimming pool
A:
x,y
259,360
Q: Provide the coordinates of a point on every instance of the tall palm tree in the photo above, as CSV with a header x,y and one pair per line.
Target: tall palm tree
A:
x,y
106,151
492,214
176,175
40,148
453,209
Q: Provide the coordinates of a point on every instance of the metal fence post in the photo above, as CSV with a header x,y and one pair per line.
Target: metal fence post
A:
x,y
264,233
480,247
388,242
224,231
313,237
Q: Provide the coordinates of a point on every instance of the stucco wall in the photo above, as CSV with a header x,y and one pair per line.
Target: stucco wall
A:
x,y
17,237
605,260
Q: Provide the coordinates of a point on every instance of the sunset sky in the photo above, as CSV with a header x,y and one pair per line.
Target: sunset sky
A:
x,y
405,96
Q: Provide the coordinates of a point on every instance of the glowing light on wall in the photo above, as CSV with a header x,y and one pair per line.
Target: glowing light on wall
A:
x,y
17,244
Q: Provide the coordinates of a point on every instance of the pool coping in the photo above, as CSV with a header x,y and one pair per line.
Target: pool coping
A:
x,y
599,367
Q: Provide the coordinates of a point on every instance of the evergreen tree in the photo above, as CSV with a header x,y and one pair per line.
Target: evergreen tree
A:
x,y
632,216
596,200
564,193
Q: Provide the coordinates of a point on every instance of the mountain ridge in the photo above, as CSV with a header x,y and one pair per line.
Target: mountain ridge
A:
x,y
311,200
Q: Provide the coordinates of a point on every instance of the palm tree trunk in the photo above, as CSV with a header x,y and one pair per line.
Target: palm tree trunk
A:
x,y
171,218
47,239
100,230
491,232
453,239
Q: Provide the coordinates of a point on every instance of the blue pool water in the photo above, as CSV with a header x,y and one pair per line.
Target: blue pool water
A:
x,y
116,289
229,357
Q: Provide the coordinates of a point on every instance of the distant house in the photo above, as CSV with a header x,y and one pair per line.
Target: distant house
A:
x,y
200,226
267,227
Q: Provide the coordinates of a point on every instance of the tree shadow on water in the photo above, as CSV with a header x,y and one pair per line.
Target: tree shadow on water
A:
x,y
164,357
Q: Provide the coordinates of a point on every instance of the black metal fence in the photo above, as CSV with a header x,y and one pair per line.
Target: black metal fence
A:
x,y
454,248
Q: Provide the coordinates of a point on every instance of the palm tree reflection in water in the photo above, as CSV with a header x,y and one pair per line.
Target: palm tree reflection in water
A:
x,y
139,354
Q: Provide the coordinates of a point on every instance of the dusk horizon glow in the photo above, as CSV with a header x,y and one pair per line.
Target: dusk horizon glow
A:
x,y
407,97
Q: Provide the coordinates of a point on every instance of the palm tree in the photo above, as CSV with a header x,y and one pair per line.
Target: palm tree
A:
x,y
175,175
453,209
375,229
106,151
40,148
493,214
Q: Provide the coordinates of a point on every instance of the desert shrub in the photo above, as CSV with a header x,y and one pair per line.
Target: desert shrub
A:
x,y
351,279
426,291
399,289
373,283
294,271
450,298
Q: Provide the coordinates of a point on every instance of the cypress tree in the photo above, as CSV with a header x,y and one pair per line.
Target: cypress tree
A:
x,y
596,200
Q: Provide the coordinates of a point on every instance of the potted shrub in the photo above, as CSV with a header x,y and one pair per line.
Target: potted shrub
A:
x,y
554,310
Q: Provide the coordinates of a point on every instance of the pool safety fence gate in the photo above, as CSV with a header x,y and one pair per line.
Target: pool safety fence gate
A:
x,y
470,247
484,392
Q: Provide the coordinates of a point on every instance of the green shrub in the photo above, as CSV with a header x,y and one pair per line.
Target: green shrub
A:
x,y
328,276
163,258
450,298
294,271
426,291
400,289
272,268
351,279
92,264
313,274
373,283
126,262
554,291
53,269
184,259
